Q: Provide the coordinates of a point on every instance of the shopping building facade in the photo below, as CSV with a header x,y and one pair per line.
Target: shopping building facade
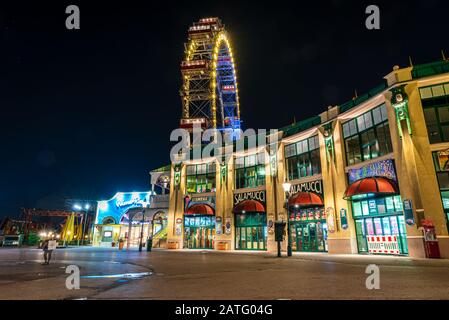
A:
x,y
365,177
131,218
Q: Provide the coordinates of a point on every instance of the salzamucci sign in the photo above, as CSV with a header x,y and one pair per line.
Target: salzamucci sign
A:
x,y
311,186
251,195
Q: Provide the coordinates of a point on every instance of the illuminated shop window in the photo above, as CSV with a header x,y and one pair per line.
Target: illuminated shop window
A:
x,y
249,171
379,216
435,102
200,178
367,136
303,158
441,162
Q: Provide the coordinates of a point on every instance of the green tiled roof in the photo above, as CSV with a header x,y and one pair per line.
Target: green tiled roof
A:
x,y
355,102
430,69
301,126
162,169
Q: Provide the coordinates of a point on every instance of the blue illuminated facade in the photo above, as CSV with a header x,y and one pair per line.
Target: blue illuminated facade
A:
x,y
114,210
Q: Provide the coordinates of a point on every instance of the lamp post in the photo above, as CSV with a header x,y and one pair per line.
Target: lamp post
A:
x,y
78,207
86,207
286,186
141,230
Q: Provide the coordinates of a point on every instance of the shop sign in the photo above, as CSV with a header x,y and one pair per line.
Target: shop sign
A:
x,y
135,202
218,225
408,212
343,219
190,200
178,226
311,186
384,168
251,195
330,218
228,226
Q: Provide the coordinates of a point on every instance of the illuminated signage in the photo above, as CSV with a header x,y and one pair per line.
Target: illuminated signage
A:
x,y
311,186
251,195
132,202
384,168
117,207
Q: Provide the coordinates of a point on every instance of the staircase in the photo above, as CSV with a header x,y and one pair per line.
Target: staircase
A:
x,y
160,238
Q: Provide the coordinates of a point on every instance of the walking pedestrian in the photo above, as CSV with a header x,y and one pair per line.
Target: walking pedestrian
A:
x,y
48,247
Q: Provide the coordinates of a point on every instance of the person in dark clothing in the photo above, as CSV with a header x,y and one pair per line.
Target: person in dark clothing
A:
x,y
47,252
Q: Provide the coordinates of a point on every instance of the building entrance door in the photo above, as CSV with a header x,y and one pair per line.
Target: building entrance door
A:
x,y
199,232
251,231
309,236
198,238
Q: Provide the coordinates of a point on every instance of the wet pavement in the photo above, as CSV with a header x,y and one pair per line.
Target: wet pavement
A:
x,y
178,274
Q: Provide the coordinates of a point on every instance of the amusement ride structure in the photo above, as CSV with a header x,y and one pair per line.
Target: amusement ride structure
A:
x,y
209,92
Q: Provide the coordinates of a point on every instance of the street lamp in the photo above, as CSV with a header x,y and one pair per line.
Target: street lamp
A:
x,y
286,186
85,210
83,235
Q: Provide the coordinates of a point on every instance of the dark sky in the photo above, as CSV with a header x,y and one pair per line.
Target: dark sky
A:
x,y
87,113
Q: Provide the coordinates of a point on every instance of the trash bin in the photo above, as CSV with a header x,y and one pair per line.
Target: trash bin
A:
x,y
149,244
430,240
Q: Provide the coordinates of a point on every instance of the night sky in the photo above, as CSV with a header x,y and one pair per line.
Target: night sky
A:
x,y
86,113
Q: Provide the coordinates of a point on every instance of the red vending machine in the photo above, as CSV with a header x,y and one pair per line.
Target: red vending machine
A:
x,y
430,240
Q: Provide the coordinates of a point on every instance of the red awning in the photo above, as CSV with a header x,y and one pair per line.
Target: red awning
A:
x,y
305,199
200,208
248,206
373,186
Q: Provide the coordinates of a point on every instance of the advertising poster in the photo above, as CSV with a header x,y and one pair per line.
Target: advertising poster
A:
x,y
343,219
228,226
178,230
330,213
218,225
408,212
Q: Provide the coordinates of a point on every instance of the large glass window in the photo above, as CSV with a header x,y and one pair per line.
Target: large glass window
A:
x,y
379,216
441,162
249,171
303,158
435,102
251,231
200,178
367,136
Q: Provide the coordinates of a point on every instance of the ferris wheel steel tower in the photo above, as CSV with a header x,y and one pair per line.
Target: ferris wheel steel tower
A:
x,y
209,92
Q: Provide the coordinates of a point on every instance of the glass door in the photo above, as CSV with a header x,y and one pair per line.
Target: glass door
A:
x,y
320,237
312,237
299,237
293,227
305,238
361,235
250,231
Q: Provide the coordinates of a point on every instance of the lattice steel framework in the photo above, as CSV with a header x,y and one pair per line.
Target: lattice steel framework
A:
x,y
209,92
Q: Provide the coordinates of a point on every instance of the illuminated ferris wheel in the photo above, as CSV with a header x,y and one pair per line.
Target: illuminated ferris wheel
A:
x,y
209,92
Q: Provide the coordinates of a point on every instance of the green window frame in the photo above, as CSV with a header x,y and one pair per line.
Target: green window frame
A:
x,y
249,171
303,158
442,173
250,231
377,207
201,178
435,102
367,136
